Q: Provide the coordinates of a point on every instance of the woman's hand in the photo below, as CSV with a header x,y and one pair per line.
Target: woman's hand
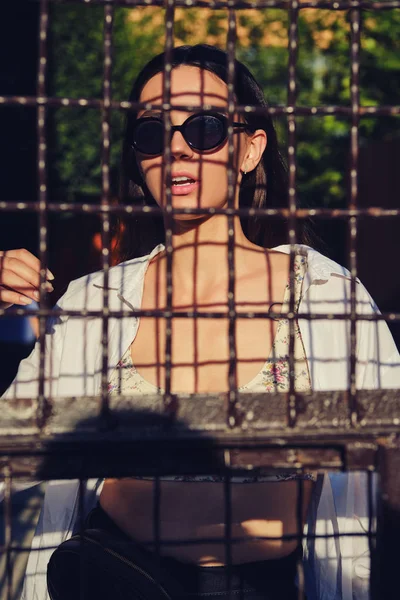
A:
x,y
20,278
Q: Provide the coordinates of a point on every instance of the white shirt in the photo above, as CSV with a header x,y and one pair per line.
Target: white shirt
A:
x,y
334,569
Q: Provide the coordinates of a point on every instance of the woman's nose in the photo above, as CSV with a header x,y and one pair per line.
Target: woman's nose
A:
x,y
179,146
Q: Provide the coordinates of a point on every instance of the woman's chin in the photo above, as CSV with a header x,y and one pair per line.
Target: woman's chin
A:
x,y
184,223
189,202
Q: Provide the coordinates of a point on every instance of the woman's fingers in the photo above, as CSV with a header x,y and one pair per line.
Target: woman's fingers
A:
x,y
26,257
10,280
9,297
12,269
23,263
20,277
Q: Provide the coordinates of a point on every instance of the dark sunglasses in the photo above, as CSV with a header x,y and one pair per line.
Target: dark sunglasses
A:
x,y
202,131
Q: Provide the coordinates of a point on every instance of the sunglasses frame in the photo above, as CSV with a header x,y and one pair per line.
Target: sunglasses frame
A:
x,y
181,128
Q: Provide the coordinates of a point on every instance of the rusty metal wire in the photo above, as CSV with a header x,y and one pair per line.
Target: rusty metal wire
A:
x,y
292,166
325,431
42,182
105,198
169,44
301,213
355,23
257,4
124,105
232,374
7,474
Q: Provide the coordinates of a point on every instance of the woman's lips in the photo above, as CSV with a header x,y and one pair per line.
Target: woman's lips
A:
x,y
184,189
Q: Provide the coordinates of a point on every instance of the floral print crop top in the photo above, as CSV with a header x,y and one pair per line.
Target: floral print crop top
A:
x,y
273,377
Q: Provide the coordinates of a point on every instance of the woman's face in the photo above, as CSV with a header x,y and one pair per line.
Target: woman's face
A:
x,y
193,87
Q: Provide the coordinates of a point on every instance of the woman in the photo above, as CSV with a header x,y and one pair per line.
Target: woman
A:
x,y
265,505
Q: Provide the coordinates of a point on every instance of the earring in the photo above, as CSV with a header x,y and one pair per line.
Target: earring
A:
x,y
245,169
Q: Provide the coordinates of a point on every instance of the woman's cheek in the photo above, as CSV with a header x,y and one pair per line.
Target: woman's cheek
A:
x,y
153,178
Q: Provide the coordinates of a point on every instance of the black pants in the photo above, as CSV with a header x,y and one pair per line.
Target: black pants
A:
x,y
262,580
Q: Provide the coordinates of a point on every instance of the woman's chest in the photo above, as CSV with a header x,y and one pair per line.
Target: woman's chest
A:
x,y
200,351
207,354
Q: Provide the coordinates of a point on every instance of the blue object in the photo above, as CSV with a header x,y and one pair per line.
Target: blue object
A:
x,y
18,329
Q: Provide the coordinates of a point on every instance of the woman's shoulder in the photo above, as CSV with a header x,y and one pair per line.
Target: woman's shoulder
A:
x,y
319,266
327,284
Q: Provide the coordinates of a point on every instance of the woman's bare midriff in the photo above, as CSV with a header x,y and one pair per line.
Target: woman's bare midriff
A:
x,y
195,510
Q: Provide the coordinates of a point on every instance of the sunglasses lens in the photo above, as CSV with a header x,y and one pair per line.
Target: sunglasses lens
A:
x,y
205,132
202,132
148,136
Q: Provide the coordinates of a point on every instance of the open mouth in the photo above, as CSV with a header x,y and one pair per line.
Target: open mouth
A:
x,y
183,184
181,181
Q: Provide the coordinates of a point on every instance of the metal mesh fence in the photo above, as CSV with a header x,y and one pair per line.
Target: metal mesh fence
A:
x,y
221,433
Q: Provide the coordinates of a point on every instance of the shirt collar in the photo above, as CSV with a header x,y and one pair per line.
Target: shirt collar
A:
x,y
127,285
319,267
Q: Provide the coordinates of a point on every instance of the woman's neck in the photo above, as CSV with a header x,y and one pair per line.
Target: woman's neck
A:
x,y
200,255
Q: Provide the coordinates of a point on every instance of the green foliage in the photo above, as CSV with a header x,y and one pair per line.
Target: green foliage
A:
x,y
76,72
323,78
